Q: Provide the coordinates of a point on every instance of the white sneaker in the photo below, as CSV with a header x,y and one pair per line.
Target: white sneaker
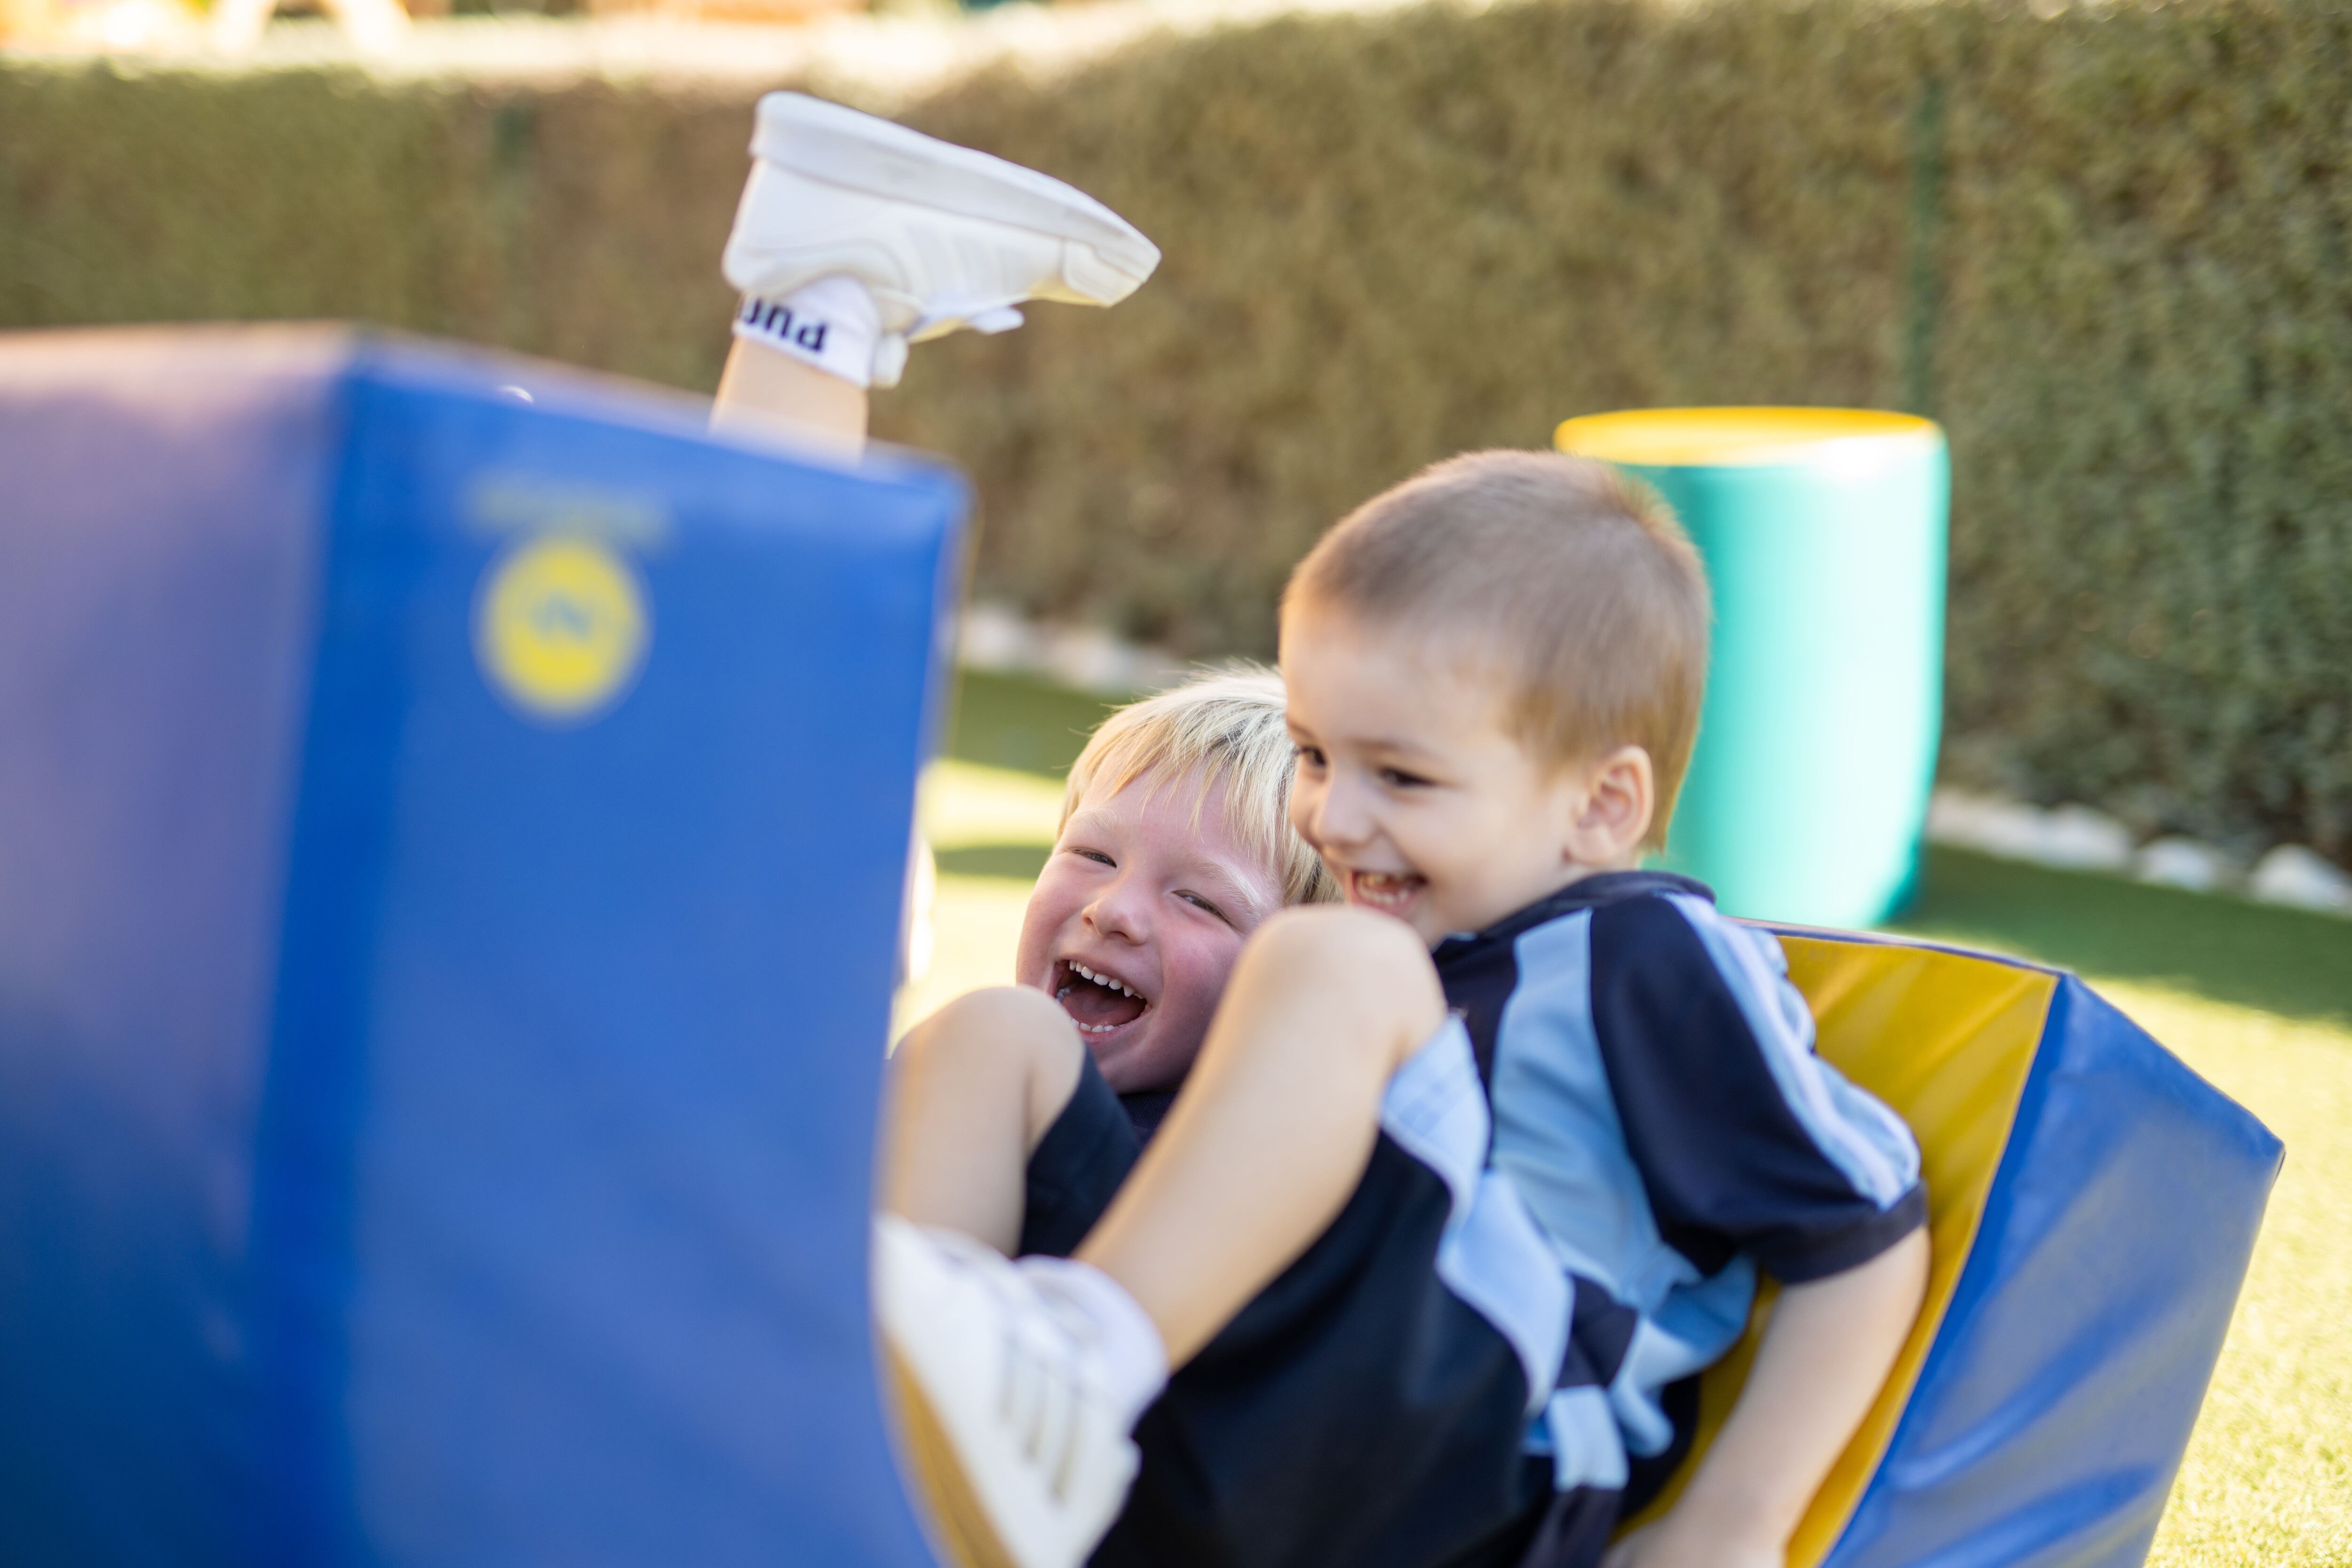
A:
x,y
943,236
1018,1443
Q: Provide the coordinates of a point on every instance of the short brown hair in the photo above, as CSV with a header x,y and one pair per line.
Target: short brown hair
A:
x,y
1570,582
1225,726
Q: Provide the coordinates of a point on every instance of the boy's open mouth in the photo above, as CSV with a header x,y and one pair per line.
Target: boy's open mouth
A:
x,y
1097,1002
1385,890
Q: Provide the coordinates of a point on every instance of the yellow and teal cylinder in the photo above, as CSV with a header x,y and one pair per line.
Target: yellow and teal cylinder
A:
x,y
1823,532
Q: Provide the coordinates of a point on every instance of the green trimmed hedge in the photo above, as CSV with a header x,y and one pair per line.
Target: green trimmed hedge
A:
x,y
2107,248
580,222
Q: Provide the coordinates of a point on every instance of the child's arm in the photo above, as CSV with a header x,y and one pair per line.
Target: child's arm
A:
x,y
1823,1357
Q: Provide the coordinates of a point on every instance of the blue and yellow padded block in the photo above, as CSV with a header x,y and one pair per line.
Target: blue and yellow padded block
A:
x,y
2092,1207
451,851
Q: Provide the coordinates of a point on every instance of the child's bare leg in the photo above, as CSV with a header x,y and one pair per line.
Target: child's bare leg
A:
x,y
972,1090
765,391
1276,1122
1269,1137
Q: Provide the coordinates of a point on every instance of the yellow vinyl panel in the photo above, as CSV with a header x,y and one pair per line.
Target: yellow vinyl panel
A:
x,y
1946,1041
1733,437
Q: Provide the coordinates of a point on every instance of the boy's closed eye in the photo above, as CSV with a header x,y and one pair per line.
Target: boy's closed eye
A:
x,y
1207,905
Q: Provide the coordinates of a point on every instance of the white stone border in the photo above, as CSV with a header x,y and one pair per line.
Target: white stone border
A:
x,y
2078,838
998,637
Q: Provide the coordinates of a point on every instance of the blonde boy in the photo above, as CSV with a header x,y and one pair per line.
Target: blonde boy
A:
x,y
1174,845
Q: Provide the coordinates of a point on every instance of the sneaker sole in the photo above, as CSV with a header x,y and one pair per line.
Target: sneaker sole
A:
x,y
961,1523
821,141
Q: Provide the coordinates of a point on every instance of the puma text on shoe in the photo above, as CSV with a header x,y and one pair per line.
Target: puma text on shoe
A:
x,y
830,323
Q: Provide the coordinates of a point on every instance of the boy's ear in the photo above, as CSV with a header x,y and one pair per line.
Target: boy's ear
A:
x,y
1619,794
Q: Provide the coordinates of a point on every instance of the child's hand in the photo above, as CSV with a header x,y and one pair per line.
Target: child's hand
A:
x,y
1824,1354
1678,1540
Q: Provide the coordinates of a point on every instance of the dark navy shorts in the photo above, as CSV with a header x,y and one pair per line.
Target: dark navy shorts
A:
x,y
1357,1413
1083,1160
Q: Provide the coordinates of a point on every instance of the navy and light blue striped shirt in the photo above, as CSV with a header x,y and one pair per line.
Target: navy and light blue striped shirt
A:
x,y
1632,1123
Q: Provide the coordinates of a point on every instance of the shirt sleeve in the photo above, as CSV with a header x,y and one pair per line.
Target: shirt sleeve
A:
x,y
1747,1141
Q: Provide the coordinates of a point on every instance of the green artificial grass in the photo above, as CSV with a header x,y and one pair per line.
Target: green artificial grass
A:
x,y
2274,960
2268,1476
1018,734
2257,1000
1010,722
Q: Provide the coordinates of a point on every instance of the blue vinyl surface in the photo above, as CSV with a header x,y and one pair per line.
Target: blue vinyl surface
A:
x,y
2054,1407
431,1133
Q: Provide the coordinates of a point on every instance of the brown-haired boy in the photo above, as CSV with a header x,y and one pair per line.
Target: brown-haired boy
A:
x,y
1472,1178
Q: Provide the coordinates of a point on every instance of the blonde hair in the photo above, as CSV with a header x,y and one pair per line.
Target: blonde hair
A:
x,y
1571,583
1225,726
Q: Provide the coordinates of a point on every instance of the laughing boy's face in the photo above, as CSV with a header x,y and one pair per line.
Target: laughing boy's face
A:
x,y
1420,801
1136,921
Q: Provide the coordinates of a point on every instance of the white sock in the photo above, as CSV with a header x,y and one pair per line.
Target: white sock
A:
x,y
830,324
1133,1354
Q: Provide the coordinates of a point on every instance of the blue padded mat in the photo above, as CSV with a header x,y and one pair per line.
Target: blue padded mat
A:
x,y
451,853
2051,1414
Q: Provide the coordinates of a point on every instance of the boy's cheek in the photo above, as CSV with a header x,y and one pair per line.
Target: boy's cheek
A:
x,y
1041,918
1196,978
1303,796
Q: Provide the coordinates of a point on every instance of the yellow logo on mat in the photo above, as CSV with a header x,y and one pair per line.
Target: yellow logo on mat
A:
x,y
561,628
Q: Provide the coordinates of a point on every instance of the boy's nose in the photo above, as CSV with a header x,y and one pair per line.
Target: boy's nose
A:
x,y
1122,909
1337,813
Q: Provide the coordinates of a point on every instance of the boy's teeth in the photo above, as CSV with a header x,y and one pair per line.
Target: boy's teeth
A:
x,y
1105,981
